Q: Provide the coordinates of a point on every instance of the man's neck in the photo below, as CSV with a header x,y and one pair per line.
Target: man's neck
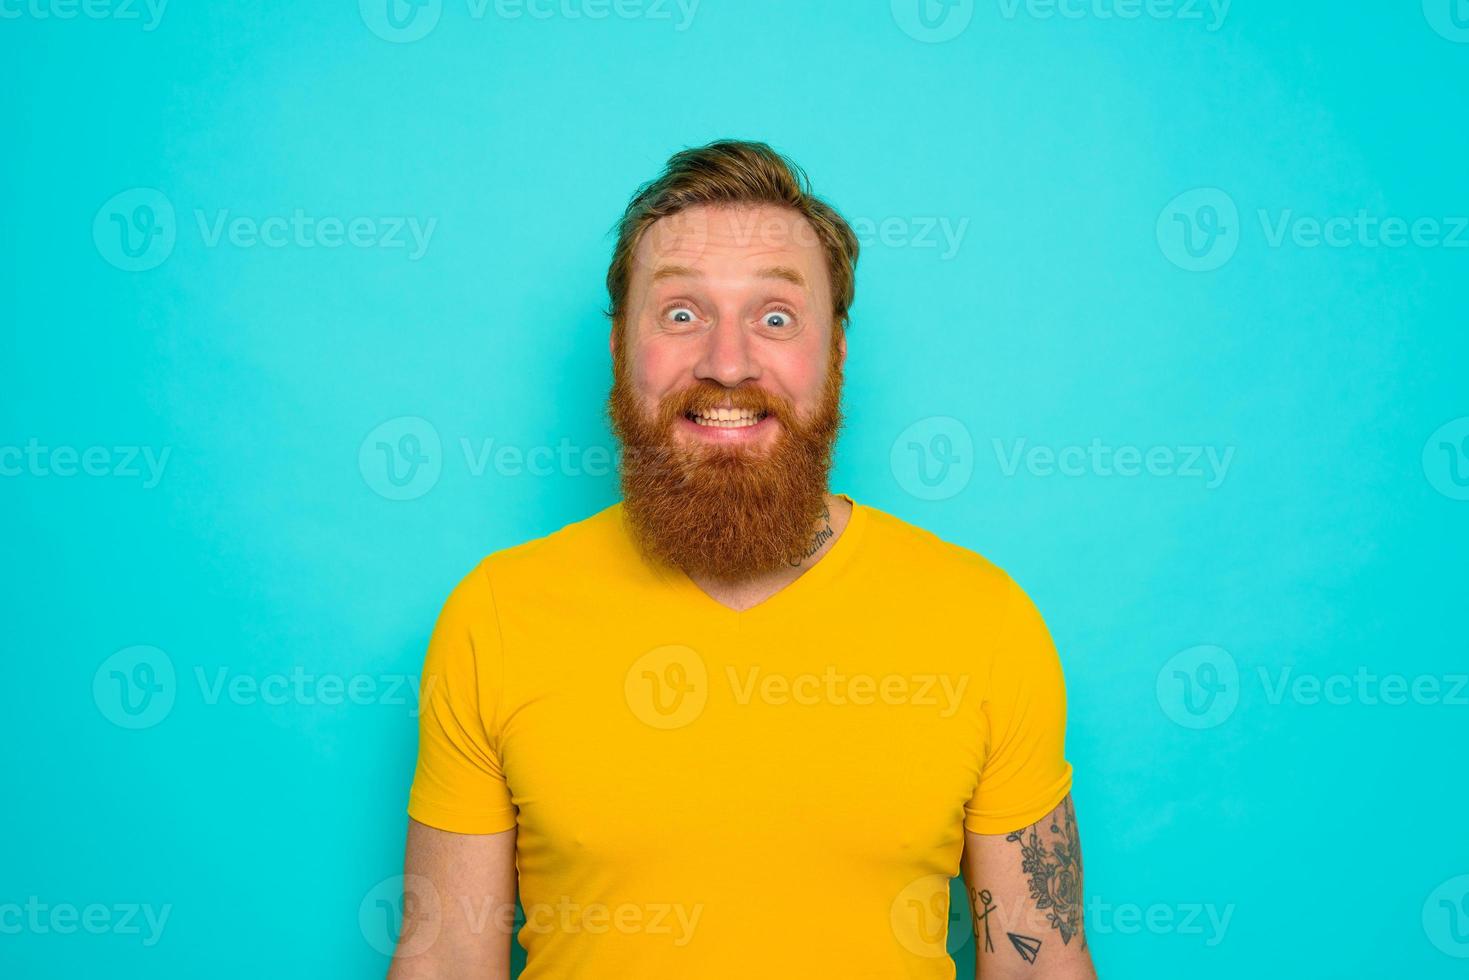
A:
x,y
742,593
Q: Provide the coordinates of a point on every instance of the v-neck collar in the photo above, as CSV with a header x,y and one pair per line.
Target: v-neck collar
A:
x,y
837,556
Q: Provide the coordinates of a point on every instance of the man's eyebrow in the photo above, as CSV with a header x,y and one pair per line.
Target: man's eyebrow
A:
x,y
784,272
676,271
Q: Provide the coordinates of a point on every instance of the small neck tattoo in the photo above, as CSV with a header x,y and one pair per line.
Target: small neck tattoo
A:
x,y
822,535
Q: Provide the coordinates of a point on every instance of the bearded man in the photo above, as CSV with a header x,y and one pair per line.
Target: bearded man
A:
x,y
736,724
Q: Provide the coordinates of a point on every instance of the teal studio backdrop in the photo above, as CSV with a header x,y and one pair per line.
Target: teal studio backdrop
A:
x,y
1161,307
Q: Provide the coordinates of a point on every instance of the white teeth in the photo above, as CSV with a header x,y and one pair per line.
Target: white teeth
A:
x,y
727,418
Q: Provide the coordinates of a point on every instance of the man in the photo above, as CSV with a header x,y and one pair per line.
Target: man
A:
x,y
737,725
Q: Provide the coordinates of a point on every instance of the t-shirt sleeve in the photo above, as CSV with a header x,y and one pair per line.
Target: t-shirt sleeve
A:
x,y
459,784
1025,773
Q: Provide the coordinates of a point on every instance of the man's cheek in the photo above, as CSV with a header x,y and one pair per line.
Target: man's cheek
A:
x,y
657,380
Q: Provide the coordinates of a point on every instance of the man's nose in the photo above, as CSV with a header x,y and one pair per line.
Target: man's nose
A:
x,y
727,357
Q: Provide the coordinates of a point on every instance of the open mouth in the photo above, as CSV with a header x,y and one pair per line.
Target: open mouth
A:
x,y
726,418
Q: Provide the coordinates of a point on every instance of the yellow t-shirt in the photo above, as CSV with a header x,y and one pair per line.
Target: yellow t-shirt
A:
x,y
704,793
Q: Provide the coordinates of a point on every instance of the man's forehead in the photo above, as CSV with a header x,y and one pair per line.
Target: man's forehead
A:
x,y
775,240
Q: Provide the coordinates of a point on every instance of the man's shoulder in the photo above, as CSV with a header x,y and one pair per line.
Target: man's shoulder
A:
x,y
945,575
907,549
592,546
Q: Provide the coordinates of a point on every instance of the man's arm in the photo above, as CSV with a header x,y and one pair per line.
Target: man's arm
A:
x,y
1025,890
458,905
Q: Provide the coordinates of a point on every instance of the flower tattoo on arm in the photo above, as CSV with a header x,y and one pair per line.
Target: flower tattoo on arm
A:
x,y
1053,865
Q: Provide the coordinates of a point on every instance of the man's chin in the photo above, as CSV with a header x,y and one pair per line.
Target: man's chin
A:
x,y
725,501
724,509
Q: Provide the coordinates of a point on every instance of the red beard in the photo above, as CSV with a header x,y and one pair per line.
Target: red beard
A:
x,y
726,512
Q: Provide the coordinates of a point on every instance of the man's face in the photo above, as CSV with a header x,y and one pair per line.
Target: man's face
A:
x,y
727,387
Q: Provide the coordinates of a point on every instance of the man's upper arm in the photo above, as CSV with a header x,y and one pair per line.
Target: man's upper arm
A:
x,y
1022,848
459,784
1025,890
459,871
1024,772
458,905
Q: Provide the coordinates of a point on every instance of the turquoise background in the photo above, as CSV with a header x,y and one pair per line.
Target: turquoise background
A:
x,y
1101,289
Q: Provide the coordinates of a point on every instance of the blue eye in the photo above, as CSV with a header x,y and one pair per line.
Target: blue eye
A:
x,y
777,319
680,314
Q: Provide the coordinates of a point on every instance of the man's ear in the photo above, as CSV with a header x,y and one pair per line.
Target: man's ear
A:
x,y
842,346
